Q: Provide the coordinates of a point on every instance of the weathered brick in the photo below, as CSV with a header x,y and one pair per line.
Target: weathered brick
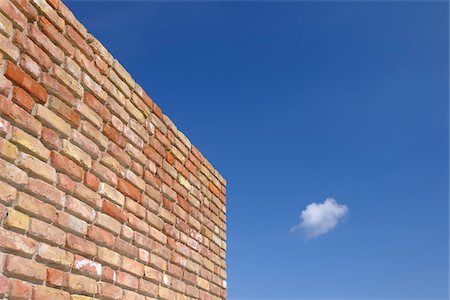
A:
x,y
109,257
52,120
127,189
127,280
82,284
85,144
57,278
46,192
63,110
108,223
91,181
35,207
81,245
6,27
89,114
86,266
19,117
88,196
54,255
94,134
66,166
109,291
8,150
104,173
44,42
66,79
71,223
132,266
55,35
100,236
9,49
27,46
50,13
53,87
19,289
22,267
36,167
17,220
46,293
76,154
12,174
79,209
114,211
79,42
7,193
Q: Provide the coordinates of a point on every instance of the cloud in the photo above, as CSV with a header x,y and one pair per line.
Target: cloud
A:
x,y
319,218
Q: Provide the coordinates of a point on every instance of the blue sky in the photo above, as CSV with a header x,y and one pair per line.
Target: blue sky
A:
x,y
296,102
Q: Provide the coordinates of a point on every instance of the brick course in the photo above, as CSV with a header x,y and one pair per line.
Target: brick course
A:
x,y
101,196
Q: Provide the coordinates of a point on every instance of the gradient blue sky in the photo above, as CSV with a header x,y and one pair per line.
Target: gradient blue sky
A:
x,y
295,102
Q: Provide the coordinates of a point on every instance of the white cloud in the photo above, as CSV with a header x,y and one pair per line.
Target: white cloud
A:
x,y
319,218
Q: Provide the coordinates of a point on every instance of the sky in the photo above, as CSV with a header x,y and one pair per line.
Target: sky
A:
x,y
329,121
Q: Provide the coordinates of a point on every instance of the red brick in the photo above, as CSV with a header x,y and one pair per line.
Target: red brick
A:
x,y
114,211
46,192
53,87
91,181
79,42
25,81
67,166
29,47
127,280
71,223
114,135
97,106
46,232
43,41
3,285
128,189
23,99
132,266
88,196
152,154
148,288
50,138
85,144
109,291
35,207
100,236
63,110
65,183
13,14
22,267
16,242
87,266
104,173
81,245
82,284
19,116
19,289
57,278
56,36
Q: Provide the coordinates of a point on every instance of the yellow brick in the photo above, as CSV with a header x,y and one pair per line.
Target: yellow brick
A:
x,y
184,182
50,119
203,283
7,150
68,80
17,219
90,115
76,154
30,143
55,255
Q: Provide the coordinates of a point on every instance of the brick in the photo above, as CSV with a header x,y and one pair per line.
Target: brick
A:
x,y
53,87
66,79
5,127
7,193
87,266
63,110
29,143
52,120
127,280
35,207
85,144
97,106
88,196
82,284
44,42
6,27
88,65
132,266
127,189
109,291
16,220
57,256
89,114
57,278
72,67
148,288
81,245
25,268
3,285
27,46
37,168
79,209
22,99
55,36
9,49
47,293
114,211
13,14
45,192
114,135
79,42
12,174
108,223
104,173
19,289
70,19
108,257
100,236
165,293
94,134
66,166
135,180
8,151
91,181
71,223
19,117
76,154
49,12
93,87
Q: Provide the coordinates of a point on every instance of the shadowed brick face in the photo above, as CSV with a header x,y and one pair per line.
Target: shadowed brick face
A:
x,y
101,197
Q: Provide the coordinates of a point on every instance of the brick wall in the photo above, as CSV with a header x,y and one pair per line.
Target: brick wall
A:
x,y
101,197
